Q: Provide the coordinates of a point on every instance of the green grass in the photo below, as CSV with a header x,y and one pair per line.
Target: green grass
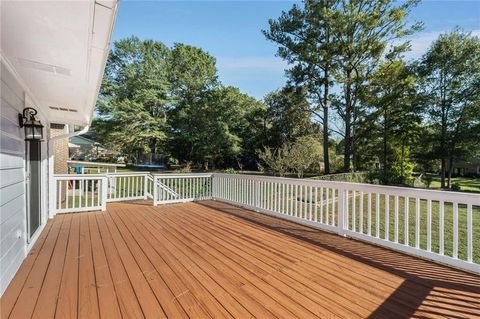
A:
x,y
466,184
411,220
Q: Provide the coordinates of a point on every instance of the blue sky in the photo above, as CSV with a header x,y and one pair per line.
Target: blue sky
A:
x,y
230,31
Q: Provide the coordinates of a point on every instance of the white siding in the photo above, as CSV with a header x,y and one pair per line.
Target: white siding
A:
x,y
13,242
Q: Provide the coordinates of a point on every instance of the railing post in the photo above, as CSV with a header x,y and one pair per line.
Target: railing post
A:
x,y
341,211
145,186
53,189
214,187
104,191
155,190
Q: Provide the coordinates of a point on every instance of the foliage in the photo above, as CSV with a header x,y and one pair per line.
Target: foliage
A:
x,y
288,116
391,121
450,81
169,101
357,177
305,154
134,97
230,171
305,40
456,187
277,160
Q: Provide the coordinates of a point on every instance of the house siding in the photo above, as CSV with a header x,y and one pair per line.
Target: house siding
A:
x,y
13,223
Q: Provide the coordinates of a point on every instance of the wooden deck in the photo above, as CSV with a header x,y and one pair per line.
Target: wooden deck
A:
x,y
209,259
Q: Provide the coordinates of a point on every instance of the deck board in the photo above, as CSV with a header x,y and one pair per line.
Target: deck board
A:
x,y
214,260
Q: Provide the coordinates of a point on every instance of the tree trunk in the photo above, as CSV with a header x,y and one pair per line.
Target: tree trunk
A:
x,y
385,142
326,158
442,174
348,126
450,169
402,167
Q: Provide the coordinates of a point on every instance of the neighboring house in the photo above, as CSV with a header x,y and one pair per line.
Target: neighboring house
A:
x,y
469,167
53,55
83,147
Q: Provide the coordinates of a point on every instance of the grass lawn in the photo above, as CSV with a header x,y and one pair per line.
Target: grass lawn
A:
x,y
378,227
466,184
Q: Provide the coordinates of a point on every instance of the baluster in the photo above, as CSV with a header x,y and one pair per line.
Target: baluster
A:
x,y
455,230
377,216
417,222
354,211
429,225
469,233
396,218
346,222
369,216
327,212
311,204
387,216
321,204
361,212
335,197
441,229
407,221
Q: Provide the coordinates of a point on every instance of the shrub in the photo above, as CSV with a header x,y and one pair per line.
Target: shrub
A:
x,y
230,171
456,187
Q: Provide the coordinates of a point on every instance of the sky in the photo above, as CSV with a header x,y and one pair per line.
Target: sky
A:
x,y
231,32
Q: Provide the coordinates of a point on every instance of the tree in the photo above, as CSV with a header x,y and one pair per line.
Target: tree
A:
x,y
302,155
192,74
450,73
363,30
277,160
231,127
134,97
288,115
305,152
393,117
305,41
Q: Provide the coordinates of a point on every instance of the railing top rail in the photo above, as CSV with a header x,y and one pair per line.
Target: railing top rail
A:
x,y
79,176
438,195
127,173
176,175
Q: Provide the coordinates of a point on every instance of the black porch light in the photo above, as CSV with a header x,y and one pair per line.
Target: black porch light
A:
x,y
33,127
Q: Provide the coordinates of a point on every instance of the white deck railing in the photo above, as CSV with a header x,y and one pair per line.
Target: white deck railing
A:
x,y
177,188
77,193
438,225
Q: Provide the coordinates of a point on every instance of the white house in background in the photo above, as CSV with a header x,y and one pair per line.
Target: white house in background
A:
x,y
53,55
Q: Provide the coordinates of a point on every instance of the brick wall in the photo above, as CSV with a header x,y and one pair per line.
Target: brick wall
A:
x,y
60,149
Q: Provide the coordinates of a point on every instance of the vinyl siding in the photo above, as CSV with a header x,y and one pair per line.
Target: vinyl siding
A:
x,y
12,178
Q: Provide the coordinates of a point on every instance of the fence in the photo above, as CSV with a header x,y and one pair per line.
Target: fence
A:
x,y
77,193
176,188
438,225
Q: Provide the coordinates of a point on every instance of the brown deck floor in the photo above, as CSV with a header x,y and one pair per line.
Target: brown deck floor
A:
x,y
210,259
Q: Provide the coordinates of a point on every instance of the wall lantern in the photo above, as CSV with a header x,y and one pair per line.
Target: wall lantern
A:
x,y
33,127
